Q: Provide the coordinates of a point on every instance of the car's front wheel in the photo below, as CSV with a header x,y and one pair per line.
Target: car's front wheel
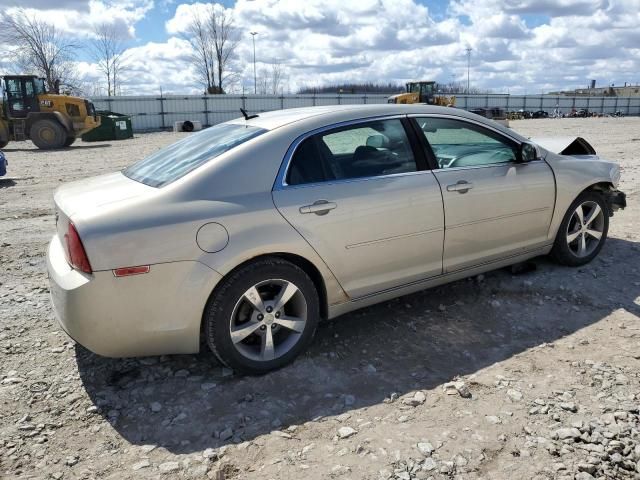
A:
x,y
583,230
262,316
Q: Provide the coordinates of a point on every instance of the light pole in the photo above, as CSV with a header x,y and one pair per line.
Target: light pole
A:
x,y
468,49
255,77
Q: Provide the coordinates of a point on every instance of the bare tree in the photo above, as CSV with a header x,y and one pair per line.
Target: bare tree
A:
x,y
224,36
214,39
108,51
277,77
39,48
263,81
233,83
202,55
270,79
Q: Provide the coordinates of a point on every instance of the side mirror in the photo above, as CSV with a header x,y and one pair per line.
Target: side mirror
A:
x,y
528,152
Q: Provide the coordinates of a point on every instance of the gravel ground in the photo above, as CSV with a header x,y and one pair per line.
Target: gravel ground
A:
x,y
501,376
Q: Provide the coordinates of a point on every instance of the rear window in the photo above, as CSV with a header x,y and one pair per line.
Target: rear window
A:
x,y
175,161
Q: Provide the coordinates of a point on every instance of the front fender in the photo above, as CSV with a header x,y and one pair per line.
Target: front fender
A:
x,y
574,175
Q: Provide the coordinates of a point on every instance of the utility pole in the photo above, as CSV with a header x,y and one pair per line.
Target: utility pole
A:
x,y
255,77
468,49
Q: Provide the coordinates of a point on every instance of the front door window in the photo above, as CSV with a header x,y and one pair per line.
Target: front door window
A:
x,y
456,143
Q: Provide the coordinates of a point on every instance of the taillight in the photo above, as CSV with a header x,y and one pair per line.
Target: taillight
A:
x,y
76,255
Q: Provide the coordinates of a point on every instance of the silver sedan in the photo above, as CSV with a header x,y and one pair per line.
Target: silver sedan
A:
x,y
248,233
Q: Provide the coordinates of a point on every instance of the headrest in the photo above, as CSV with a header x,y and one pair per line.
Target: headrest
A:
x,y
377,141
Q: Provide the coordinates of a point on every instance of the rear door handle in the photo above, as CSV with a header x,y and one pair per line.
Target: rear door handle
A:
x,y
319,207
461,187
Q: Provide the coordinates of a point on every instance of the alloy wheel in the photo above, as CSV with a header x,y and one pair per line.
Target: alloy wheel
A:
x,y
585,229
268,320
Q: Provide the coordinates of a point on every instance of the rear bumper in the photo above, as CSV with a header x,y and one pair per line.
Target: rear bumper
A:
x,y
151,314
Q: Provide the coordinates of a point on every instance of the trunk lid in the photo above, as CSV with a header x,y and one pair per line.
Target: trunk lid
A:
x,y
90,195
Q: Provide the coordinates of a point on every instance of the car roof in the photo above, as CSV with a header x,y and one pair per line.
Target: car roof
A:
x,y
330,114
278,118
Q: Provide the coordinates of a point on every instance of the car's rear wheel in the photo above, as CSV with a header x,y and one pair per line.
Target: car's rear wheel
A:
x,y
262,316
583,230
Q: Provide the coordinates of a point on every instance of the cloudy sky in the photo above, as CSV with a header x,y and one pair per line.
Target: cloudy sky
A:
x,y
518,45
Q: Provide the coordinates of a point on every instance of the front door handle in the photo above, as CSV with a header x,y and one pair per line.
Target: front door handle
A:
x,y
461,187
319,207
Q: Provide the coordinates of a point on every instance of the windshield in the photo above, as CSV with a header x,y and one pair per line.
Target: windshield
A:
x,y
176,160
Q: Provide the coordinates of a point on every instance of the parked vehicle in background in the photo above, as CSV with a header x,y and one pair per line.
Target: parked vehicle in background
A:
x,y
494,113
3,165
49,120
248,233
540,114
582,113
423,92
526,114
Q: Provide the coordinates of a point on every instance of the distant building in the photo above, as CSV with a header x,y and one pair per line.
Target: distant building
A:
x,y
593,91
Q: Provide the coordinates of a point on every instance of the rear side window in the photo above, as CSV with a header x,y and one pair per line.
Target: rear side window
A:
x,y
175,161
368,149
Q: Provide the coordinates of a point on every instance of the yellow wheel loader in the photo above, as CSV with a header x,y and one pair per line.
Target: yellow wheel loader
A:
x,y
422,92
29,112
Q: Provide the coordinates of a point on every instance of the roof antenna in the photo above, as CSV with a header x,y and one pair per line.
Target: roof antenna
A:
x,y
246,115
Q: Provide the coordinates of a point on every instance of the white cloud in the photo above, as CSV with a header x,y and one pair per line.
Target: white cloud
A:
x,y
150,68
324,41
184,13
46,4
78,17
519,45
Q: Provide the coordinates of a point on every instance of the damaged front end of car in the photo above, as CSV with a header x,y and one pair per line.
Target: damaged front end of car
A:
x,y
615,199
580,149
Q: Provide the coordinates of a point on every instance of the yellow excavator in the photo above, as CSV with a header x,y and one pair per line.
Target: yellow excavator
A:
x,y
29,112
422,92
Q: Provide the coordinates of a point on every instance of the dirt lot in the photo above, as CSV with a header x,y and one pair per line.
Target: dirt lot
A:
x,y
550,362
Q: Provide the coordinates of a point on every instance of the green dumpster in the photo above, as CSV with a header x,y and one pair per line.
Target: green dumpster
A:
x,y
113,126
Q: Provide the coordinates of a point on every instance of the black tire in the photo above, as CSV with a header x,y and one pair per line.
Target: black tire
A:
x,y
561,251
187,126
70,140
3,143
222,303
48,134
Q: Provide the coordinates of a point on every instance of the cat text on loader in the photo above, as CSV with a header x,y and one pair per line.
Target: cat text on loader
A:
x,y
29,112
422,92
